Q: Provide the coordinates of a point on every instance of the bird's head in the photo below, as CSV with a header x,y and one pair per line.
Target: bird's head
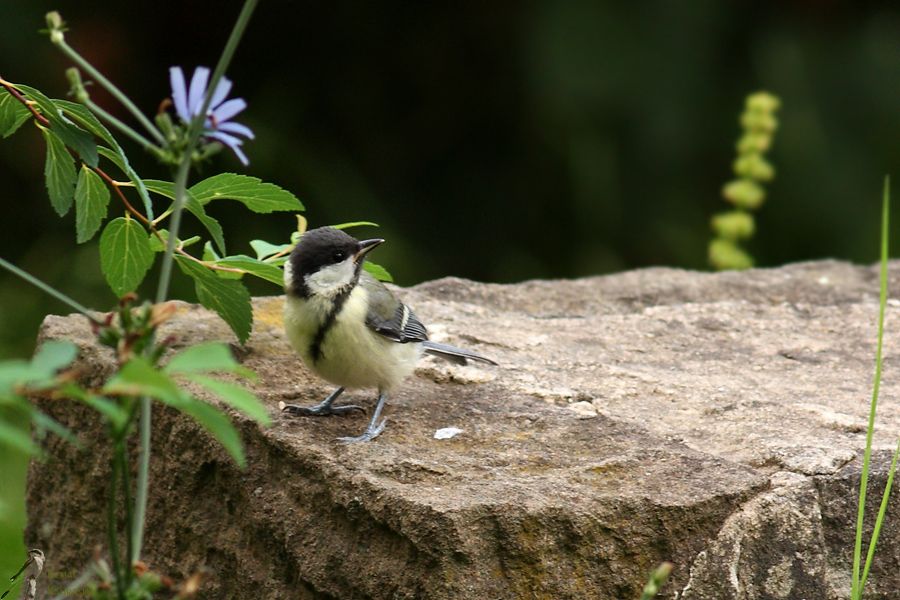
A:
x,y
325,262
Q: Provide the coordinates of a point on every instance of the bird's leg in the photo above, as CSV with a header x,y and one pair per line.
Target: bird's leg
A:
x,y
323,408
374,427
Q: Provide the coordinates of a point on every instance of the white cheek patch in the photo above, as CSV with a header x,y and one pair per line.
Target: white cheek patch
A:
x,y
288,276
332,279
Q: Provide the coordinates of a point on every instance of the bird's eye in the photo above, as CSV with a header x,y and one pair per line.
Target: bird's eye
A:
x,y
339,256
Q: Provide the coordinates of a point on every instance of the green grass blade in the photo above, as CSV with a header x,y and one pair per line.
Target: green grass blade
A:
x,y
878,521
855,585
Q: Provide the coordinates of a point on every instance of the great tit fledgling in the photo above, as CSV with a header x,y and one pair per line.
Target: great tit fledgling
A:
x,y
348,327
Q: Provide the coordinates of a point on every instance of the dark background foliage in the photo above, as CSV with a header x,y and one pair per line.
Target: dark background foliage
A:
x,y
498,141
494,140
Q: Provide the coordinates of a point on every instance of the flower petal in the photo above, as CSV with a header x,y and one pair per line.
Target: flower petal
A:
x,y
230,141
222,89
236,128
179,93
229,109
198,89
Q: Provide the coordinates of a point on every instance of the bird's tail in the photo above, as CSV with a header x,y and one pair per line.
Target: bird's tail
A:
x,y
453,354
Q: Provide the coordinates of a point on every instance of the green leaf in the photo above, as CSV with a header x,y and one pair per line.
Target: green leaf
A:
x,y
83,115
16,438
218,425
59,173
265,249
138,377
193,206
41,370
209,254
235,396
209,356
109,410
159,245
256,195
43,423
12,114
378,272
254,267
125,255
91,201
118,158
229,298
356,224
74,137
53,355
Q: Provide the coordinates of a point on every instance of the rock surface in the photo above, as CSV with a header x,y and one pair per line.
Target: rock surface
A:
x,y
713,420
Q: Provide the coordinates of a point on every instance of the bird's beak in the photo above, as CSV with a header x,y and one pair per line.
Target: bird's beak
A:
x,y
365,247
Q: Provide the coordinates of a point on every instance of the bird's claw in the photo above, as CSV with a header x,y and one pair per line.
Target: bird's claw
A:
x,y
368,435
320,410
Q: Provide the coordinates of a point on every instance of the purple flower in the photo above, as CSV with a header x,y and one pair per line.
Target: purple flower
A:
x,y
217,126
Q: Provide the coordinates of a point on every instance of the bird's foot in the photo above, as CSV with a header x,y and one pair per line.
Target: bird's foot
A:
x,y
323,409
368,435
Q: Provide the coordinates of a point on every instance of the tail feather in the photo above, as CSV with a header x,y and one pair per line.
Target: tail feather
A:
x,y
453,354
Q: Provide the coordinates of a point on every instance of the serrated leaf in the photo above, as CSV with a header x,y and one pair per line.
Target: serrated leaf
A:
x,y
91,202
193,206
235,396
253,193
73,136
378,272
84,117
16,438
118,158
12,114
202,358
138,377
59,173
265,249
229,298
254,267
125,255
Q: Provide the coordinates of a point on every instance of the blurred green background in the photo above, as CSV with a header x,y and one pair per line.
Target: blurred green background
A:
x,y
497,141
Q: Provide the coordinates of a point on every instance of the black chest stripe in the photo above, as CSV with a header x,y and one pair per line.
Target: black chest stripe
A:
x,y
315,348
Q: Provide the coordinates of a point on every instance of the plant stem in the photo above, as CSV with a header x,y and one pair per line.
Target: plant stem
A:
x,y
855,582
196,128
882,510
47,289
110,87
122,454
128,131
111,526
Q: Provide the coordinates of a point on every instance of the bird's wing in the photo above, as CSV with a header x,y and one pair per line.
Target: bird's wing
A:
x,y
388,316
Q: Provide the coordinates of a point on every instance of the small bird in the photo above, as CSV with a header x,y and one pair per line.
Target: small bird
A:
x,y
348,327
34,564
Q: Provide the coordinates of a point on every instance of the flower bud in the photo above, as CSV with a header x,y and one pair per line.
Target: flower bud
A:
x,y
724,254
734,225
754,166
744,193
759,121
754,142
763,102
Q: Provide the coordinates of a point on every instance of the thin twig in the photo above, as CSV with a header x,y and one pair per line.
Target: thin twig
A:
x,y
25,101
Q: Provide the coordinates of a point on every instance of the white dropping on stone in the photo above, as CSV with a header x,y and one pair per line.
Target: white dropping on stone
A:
x,y
447,433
